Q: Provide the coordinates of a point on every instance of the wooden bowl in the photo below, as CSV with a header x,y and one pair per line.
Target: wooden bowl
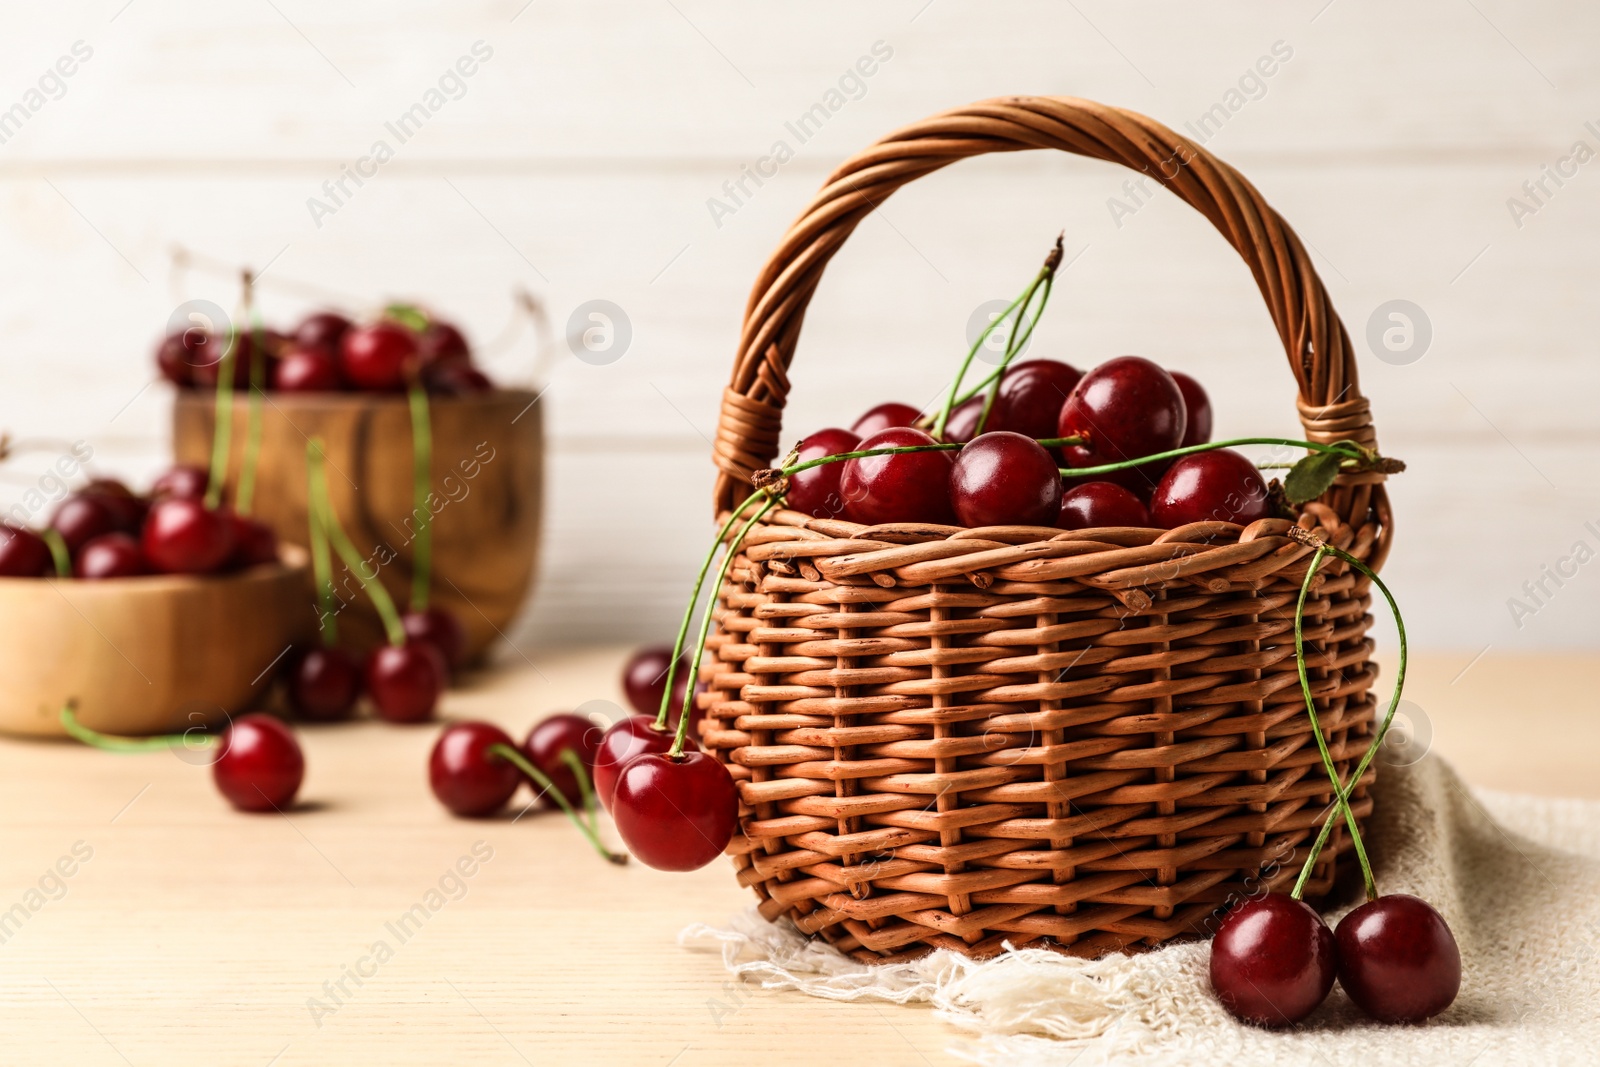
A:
x,y
488,453
147,655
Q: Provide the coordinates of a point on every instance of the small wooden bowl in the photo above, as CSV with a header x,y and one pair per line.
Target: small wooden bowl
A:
x,y
488,475
147,655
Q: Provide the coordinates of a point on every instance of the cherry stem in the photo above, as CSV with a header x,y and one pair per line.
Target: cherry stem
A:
x,y
581,774
244,499
422,511
222,435
116,743
59,553
542,780
321,567
1342,792
1014,348
322,508
1350,452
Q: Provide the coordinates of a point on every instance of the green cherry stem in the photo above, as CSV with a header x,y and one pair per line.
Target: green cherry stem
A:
x,y
1349,452
115,743
244,499
542,780
581,774
321,567
421,505
222,434
317,483
1014,348
59,553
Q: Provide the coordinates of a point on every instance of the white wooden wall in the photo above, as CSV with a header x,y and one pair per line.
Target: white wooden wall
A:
x,y
581,155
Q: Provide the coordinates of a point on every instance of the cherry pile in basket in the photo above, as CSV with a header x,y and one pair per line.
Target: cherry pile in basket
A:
x,y
105,530
327,352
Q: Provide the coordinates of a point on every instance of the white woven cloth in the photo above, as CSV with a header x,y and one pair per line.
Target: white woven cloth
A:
x,y
1517,877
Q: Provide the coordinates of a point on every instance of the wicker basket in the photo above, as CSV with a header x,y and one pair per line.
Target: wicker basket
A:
x,y
955,738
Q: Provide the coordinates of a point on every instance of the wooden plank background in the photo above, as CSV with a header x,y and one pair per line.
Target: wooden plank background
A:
x,y
579,157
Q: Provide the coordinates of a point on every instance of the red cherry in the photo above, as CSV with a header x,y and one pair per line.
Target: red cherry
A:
x,y
181,482
323,683
379,357
180,353
1095,504
912,487
441,629
23,553
554,735
441,342
1216,486
883,417
1272,961
80,518
186,537
205,374
676,814
112,555
322,329
260,766
627,738
964,416
455,378
1398,960
1005,479
254,542
644,677
1126,408
1031,395
1197,406
465,776
306,370
128,510
405,681
816,491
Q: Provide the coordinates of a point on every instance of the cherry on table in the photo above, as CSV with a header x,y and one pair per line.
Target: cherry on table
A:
x,y
1005,479
675,814
441,342
1125,408
626,738
883,417
81,518
183,536
378,357
644,677
322,329
323,683
1197,408
260,766
254,542
465,776
1097,504
306,370
1272,960
455,378
182,482
440,628
1216,486
554,735
23,553
1398,959
910,487
816,491
111,555
404,681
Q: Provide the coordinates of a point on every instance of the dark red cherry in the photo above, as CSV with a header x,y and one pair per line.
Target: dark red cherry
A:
x,y
1031,395
455,378
1272,961
883,417
1126,408
205,374
627,738
81,518
554,735
1005,479
379,357
181,352
323,683
182,483
260,766
644,677
129,510
1197,407
1216,486
442,343
322,329
254,542
306,370
910,487
964,419
1398,960
465,776
112,555
404,681
23,553
1093,504
675,814
441,629
816,491
185,537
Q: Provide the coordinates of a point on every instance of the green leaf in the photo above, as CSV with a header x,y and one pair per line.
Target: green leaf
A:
x,y
1310,477
407,315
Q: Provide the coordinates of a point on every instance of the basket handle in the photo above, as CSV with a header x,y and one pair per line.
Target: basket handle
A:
x,y
1331,406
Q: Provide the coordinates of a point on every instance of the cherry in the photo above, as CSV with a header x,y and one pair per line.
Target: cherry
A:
x,y
405,681
1094,504
644,676
128,510
455,378
180,353
260,766
181,482
1215,486
111,555
379,357
1125,408
441,629
557,734
206,373
322,329
468,778
323,683
254,542
185,537
81,518
1031,395
1005,479
1197,406
816,491
1398,960
883,417
911,487
441,342
676,814
306,370
627,738
23,553
964,416
1273,960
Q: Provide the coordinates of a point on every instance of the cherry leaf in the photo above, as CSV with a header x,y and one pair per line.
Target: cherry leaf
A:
x,y
1310,477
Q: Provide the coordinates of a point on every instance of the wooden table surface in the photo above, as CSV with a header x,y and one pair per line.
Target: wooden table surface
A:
x,y
143,922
